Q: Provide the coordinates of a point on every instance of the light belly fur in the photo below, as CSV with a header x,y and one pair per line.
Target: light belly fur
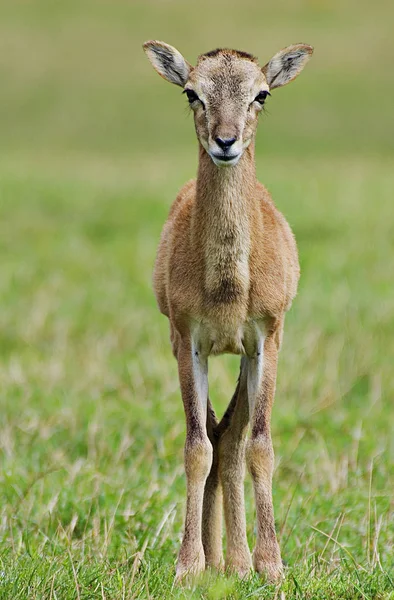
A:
x,y
245,337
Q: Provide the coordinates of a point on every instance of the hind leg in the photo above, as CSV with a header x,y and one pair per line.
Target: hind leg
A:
x,y
212,506
232,473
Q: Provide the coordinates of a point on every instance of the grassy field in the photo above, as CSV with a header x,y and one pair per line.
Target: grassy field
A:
x,y
93,148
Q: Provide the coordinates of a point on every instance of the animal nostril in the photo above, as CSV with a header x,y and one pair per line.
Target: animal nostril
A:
x,y
225,143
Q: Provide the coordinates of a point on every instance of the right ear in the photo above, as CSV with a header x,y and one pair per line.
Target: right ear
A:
x,y
287,64
168,62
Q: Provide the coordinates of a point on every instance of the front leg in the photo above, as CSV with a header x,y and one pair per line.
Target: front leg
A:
x,y
193,377
260,455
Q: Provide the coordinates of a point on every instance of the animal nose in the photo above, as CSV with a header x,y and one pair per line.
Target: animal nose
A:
x,y
225,143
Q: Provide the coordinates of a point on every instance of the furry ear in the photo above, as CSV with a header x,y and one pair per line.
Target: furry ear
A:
x,y
287,64
168,62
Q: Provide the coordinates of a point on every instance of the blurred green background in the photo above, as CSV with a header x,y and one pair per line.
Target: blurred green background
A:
x,y
93,149
76,85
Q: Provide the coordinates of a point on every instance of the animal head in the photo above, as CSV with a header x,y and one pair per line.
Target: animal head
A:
x,y
227,90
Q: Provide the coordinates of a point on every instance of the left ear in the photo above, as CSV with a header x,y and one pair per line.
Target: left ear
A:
x,y
168,62
286,65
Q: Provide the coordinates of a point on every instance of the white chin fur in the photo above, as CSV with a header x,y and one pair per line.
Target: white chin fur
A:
x,y
225,163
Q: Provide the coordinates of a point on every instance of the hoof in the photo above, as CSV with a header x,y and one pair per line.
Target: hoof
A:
x,y
240,565
272,570
189,565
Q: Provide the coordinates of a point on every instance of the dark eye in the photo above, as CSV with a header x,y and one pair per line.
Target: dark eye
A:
x,y
191,96
261,96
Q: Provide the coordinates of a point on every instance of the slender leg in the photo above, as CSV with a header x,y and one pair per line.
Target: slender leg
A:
x,y
261,373
213,505
193,377
213,498
232,473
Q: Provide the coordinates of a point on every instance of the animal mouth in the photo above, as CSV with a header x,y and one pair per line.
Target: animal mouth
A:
x,y
225,157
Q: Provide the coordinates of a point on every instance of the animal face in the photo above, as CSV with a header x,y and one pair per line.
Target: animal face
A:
x,y
227,90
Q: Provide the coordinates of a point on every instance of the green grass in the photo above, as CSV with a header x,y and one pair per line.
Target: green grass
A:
x,y
94,147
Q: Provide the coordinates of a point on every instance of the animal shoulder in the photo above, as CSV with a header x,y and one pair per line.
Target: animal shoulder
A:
x,y
185,200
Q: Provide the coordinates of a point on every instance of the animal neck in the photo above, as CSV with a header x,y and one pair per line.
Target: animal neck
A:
x,y
221,224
